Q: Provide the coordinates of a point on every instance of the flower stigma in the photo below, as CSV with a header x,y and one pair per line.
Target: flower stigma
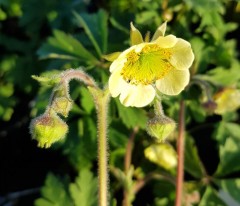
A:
x,y
146,66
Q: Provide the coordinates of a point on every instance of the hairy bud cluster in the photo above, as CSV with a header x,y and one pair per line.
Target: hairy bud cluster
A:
x,y
49,128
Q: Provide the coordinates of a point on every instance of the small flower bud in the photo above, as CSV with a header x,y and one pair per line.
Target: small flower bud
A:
x,y
62,105
61,101
162,154
160,127
47,129
228,100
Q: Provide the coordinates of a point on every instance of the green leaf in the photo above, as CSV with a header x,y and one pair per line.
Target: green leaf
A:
x,y
229,157
53,193
225,130
86,100
193,164
211,198
197,111
64,46
117,138
131,116
84,190
224,76
232,187
95,26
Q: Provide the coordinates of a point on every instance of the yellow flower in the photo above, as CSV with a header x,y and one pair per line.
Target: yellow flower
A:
x,y
228,100
162,63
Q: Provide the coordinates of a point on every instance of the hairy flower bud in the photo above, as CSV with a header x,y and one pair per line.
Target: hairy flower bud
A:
x,y
47,129
162,154
160,127
62,105
61,101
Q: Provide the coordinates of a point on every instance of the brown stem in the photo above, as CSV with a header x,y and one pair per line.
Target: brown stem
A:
x,y
128,156
127,163
180,151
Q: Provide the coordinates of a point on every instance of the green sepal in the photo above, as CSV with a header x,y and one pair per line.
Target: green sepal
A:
x,y
47,80
160,127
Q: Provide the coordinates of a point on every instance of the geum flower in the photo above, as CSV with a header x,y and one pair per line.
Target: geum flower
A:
x,y
162,63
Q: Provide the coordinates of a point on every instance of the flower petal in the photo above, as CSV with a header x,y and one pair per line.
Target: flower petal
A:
x,y
160,31
117,64
166,41
182,55
174,82
116,83
135,35
137,95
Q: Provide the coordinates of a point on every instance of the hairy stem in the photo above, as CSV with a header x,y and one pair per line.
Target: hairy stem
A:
x,y
180,151
101,101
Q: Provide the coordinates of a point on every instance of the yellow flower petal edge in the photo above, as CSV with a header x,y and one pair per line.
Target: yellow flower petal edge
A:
x,y
162,63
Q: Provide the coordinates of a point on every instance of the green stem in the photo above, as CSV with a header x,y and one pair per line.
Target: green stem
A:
x,y
101,99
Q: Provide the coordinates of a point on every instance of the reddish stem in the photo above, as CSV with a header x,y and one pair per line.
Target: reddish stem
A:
x,y
127,162
180,151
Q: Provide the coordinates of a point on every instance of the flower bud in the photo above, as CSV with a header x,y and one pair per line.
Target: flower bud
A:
x,y
228,100
160,127
47,129
61,101
62,105
162,154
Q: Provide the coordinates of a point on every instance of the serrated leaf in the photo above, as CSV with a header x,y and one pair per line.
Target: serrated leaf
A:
x,y
232,187
224,76
229,157
193,164
84,190
211,198
64,46
131,116
53,193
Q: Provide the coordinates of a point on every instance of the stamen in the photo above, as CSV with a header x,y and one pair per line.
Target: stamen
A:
x,y
147,66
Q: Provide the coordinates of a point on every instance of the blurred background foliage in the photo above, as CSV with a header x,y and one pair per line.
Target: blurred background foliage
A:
x,y
46,37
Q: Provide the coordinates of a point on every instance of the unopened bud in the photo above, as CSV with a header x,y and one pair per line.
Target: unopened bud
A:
x,y
160,127
47,129
62,105
162,154
228,100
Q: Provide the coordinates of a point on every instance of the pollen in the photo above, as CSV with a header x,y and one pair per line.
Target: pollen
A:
x,y
146,66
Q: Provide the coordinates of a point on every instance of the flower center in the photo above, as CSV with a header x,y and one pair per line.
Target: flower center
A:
x,y
147,66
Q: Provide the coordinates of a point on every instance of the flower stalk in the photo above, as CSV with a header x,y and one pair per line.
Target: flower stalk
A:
x,y
101,99
180,152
